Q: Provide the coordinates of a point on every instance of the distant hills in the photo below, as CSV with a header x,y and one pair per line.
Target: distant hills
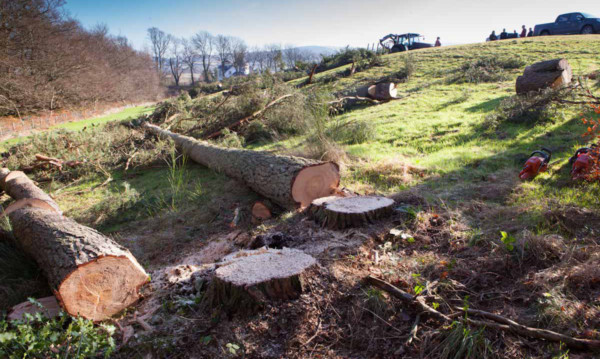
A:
x,y
319,50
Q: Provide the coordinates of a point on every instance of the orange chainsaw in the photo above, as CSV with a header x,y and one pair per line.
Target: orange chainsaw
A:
x,y
580,163
537,162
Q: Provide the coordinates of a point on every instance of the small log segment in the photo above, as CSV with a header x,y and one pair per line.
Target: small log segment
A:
x,y
263,210
342,212
90,274
48,306
290,182
541,75
246,280
384,91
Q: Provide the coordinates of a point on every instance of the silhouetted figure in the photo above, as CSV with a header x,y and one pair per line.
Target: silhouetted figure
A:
x,y
437,42
524,31
493,36
530,33
503,34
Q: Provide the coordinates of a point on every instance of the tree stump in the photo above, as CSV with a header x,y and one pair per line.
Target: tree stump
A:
x,y
343,212
246,280
545,74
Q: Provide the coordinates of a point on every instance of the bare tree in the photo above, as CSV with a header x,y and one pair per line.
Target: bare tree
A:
x,y
189,56
204,41
176,61
253,58
291,55
160,45
223,48
239,51
274,57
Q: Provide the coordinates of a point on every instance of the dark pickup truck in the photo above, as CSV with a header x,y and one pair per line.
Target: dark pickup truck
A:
x,y
568,24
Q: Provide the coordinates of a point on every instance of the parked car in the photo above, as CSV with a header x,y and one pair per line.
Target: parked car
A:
x,y
567,24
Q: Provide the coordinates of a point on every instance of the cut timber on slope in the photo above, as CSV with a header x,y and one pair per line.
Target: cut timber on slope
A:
x,y
288,181
343,212
541,75
246,280
90,274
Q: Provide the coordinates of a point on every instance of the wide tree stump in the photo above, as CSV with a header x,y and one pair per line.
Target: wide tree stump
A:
x,y
545,74
343,212
246,280
288,181
91,275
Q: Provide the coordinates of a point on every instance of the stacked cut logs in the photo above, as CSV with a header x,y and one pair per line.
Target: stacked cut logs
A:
x,y
91,275
545,74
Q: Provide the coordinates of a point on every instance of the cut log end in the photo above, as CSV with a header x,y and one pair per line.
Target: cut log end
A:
x,y
261,211
247,279
101,288
315,182
343,212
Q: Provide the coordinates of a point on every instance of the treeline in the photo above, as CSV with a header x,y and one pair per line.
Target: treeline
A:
x,y
49,61
207,57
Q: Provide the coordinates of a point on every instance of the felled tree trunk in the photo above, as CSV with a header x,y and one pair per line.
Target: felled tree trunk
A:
x,y
90,274
343,212
246,280
545,74
290,182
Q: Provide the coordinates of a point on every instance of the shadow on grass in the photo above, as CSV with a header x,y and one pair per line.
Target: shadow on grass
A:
x,y
486,106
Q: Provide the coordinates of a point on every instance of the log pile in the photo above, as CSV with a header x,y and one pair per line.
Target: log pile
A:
x,y
246,280
290,182
91,275
342,212
546,74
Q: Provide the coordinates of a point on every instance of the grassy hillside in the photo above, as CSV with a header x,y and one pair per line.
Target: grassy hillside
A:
x,y
449,152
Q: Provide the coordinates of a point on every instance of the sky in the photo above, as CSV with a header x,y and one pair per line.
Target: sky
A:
x,y
322,22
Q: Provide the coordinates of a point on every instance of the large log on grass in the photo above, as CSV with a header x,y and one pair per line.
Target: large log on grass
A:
x,y
289,181
91,275
382,92
545,74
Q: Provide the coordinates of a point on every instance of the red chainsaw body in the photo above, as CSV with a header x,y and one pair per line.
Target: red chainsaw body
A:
x,y
533,166
580,166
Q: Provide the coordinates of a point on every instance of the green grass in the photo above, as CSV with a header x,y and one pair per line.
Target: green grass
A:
x,y
131,112
439,125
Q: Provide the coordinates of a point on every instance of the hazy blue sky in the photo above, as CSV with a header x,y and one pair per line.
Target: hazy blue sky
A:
x,y
322,22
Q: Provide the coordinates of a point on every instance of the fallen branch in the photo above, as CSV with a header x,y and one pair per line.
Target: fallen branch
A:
x,y
506,324
248,118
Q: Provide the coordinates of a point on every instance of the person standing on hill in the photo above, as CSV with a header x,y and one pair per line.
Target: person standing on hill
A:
x,y
503,34
437,42
493,36
530,33
524,32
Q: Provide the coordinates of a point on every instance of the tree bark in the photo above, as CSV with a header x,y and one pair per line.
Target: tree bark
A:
x,y
343,212
246,280
90,274
289,181
541,75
